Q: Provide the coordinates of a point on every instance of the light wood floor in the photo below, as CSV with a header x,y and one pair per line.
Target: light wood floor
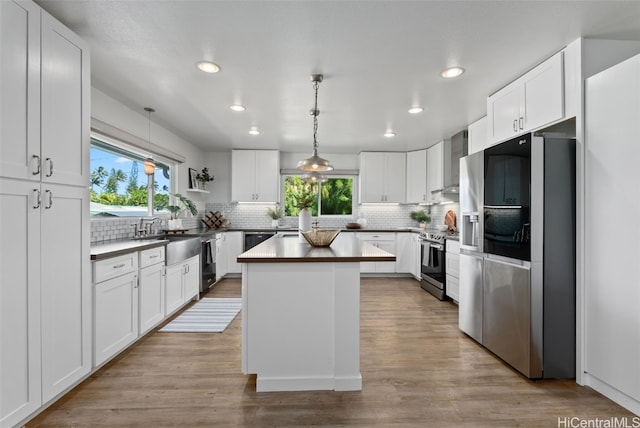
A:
x,y
417,370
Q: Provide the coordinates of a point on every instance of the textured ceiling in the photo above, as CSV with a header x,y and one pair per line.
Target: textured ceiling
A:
x,y
379,58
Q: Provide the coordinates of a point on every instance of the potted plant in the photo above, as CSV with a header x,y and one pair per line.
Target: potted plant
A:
x,y
421,217
204,177
176,210
304,197
276,214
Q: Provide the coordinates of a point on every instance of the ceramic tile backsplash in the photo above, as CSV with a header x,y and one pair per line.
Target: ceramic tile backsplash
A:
x,y
249,216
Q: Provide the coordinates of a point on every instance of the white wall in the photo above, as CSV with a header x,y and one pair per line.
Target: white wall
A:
x,y
116,114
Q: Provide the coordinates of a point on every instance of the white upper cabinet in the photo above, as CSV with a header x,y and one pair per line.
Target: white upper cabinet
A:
x,y
533,100
434,172
417,176
382,177
45,98
255,175
478,135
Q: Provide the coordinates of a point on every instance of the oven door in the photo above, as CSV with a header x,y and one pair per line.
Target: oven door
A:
x,y
432,265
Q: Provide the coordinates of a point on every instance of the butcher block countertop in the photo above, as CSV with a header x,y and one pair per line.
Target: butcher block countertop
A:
x,y
287,249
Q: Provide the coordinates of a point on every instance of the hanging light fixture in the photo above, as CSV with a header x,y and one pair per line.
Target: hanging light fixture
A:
x,y
149,164
315,163
314,177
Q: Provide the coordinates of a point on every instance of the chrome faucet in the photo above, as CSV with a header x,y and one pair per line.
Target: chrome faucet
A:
x,y
144,227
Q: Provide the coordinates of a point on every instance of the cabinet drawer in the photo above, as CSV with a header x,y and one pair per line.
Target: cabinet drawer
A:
x,y
114,267
453,246
151,256
453,288
452,265
372,236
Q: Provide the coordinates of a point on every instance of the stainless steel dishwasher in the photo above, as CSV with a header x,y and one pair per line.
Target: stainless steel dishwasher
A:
x,y
251,239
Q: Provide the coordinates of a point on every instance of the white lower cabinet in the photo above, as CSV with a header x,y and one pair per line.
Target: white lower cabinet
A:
x,y
405,253
115,316
181,283
452,269
152,294
385,241
229,245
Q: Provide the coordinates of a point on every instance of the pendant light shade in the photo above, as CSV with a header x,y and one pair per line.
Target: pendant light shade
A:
x,y
314,177
315,163
149,164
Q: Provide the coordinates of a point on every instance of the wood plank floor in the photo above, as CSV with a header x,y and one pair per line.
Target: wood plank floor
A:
x,y
418,370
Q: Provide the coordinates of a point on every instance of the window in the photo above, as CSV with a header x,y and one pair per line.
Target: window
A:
x,y
333,197
119,184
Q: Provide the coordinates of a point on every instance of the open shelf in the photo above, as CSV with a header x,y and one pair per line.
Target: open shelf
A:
x,y
197,191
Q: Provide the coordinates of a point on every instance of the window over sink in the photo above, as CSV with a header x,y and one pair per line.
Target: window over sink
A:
x,y
118,186
331,198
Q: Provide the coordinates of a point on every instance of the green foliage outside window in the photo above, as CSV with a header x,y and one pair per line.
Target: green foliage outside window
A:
x,y
333,197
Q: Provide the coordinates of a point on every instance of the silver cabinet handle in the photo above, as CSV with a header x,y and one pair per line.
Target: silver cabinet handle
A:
x,y
37,159
121,265
521,122
155,256
36,196
136,281
50,163
49,199
515,125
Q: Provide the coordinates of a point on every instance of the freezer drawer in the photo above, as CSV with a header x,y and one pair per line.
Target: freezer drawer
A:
x,y
507,315
470,303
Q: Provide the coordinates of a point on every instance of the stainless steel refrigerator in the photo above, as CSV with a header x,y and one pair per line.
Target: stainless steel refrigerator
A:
x,y
517,261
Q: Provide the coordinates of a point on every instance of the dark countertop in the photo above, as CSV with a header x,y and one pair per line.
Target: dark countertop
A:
x,y
295,229
289,249
118,248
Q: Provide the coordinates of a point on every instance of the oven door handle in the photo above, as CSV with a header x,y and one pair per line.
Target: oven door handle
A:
x,y
436,246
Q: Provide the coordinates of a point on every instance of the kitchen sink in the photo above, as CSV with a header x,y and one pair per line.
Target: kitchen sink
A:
x,y
180,248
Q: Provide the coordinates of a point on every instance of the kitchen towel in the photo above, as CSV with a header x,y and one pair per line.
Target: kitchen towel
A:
x,y
209,315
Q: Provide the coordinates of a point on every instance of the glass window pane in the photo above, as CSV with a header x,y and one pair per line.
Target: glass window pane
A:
x,y
297,194
336,196
119,184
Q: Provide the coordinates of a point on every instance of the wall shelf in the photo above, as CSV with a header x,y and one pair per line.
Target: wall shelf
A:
x,y
197,191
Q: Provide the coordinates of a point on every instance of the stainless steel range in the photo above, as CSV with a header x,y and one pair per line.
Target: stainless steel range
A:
x,y
432,266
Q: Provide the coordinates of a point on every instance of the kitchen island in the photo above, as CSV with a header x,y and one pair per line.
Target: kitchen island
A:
x,y
301,313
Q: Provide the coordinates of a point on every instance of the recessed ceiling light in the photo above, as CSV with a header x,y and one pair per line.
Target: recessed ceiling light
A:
x,y
254,131
452,72
389,134
238,107
208,67
416,110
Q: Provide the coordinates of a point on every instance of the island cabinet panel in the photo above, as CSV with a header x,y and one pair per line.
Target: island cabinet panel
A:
x,y
318,304
255,175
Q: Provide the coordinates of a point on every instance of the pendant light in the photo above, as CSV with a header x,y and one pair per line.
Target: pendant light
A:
x,y
315,163
149,164
314,177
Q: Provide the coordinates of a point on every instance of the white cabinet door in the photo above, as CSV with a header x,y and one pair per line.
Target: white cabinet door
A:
x,y
222,254
478,135
267,181
390,247
371,177
152,291
382,177
66,290
417,176
235,246
116,316
191,278
174,297
544,93
531,101
65,97
20,87
385,241
395,177
405,253
255,175
453,287
434,172
417,267
20,385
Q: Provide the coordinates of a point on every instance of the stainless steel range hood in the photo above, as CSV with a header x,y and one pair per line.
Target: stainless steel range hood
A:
x,y
453,150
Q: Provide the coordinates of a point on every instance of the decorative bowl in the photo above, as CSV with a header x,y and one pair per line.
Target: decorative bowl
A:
x,y
320,237
353,225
